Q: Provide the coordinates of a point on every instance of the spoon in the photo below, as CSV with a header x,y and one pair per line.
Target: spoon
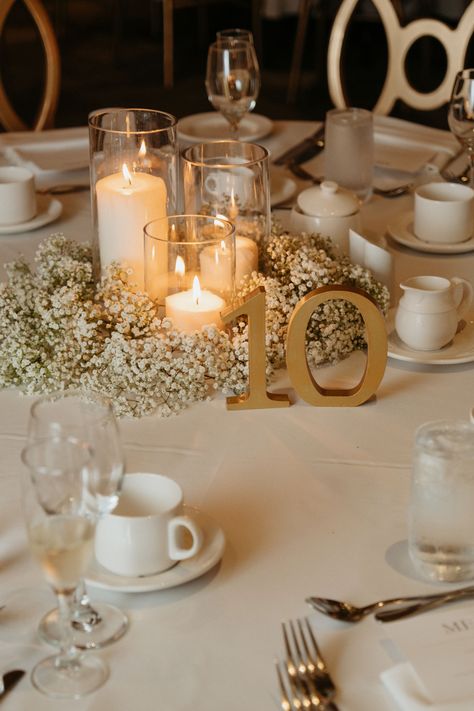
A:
x,y
424,605
346,612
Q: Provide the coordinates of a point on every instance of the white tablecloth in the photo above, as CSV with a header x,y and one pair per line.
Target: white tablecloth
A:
x,y
311,500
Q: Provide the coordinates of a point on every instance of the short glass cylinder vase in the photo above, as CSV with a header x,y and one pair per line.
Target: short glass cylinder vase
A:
x,y
190,268
133,171
231,179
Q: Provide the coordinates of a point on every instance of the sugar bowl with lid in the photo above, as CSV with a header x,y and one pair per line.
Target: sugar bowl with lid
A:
x,y
328,210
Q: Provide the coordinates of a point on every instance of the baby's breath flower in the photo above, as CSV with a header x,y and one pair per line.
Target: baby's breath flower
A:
x,y
58,329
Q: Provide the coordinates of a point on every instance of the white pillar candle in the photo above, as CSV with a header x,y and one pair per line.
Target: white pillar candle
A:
x,y
215,263
192,309
125,203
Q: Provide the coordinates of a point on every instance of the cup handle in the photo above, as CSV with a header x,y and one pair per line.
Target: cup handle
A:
x,y
176,552
463,295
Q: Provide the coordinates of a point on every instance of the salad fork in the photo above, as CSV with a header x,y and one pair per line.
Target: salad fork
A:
x,y
305,663
298,696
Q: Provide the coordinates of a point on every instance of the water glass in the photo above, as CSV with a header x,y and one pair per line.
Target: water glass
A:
x,y
441,522
349,150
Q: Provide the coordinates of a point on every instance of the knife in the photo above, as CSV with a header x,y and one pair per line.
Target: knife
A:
x,y
10,679
303,151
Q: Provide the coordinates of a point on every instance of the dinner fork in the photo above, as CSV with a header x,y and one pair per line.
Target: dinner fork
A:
x,y
303,174
293,694
305,663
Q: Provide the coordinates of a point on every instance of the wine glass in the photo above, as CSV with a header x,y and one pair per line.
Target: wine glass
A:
x,y
88,417
61,536
232,79
235,34
461,115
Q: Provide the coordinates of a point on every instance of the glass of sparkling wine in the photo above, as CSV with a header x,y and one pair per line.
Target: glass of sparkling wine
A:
x,y
88,417
61,535
232,79
441,521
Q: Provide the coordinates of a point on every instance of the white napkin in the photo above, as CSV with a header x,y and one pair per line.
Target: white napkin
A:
x,y
369,255
59,150
405,687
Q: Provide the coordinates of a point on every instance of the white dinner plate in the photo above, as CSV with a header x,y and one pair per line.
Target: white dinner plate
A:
x,y
183,572
212,126
49,209
281,186
459,350
401,229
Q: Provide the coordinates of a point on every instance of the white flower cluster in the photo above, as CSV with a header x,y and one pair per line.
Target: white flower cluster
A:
x,y
57,330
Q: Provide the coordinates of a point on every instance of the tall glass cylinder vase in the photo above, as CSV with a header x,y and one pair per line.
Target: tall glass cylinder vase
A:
x,y
190,268
133,168
231,179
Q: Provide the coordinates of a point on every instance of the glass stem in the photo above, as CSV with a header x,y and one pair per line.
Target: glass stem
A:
x,y
84,616
68,655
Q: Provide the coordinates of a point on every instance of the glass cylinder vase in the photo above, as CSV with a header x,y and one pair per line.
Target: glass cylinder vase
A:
x,y
231,179
190,268
133,170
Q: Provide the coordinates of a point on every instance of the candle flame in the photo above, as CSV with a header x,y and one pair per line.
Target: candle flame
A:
x,y
142,150
180,267
126,174
196,291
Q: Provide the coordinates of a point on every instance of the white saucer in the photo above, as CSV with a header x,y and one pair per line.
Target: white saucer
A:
x,y
281,186
402,232
212,126
182,572
49,209
460,350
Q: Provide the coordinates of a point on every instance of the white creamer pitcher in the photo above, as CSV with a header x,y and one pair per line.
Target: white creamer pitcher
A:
x,y
430,310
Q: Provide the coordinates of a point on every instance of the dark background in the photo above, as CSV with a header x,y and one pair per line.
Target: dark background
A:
x,y
112,55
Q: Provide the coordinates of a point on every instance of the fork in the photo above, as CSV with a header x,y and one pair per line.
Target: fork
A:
x,y
303,174
304,662
298,697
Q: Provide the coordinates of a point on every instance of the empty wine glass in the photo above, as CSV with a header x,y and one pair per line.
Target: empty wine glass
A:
x,y
461,115
88,417
235,34
61,536
232,79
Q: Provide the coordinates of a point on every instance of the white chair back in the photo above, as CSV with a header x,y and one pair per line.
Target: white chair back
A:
x,y
399,40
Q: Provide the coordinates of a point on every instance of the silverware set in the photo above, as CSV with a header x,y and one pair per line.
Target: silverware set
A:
x,y
303,678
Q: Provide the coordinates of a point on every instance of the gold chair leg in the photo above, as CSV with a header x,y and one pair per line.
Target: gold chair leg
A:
x,y
297,59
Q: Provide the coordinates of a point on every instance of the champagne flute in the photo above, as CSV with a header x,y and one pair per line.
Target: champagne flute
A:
x,y
88,417
232,79
461,115
61,536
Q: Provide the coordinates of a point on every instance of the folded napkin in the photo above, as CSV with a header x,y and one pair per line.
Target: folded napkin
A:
x,y
371,256
59,150
405,687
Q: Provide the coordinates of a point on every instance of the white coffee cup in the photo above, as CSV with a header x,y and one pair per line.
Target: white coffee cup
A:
x,y
143,534
444,213
236,181
17,195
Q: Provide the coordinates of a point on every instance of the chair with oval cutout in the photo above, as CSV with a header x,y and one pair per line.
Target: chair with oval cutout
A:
x,y
399,41
9,118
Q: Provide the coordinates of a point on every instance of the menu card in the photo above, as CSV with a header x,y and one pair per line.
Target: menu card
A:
x,y
440,647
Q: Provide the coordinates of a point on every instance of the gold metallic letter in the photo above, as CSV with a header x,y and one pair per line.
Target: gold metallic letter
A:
x,y
253,306
296,361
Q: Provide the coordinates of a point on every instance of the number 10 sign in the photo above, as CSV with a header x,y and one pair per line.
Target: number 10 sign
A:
x,y
253,306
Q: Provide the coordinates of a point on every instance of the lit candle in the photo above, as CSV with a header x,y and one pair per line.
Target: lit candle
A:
x,y
192,309
215,263
125,203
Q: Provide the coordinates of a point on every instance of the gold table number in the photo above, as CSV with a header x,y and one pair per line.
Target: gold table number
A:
x,y
376,337
257,397
253,306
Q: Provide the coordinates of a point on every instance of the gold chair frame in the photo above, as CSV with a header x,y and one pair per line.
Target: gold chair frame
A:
x,y
49,101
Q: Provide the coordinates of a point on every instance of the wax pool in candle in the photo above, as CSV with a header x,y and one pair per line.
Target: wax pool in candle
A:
x,y
192,309
124,206
215,263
